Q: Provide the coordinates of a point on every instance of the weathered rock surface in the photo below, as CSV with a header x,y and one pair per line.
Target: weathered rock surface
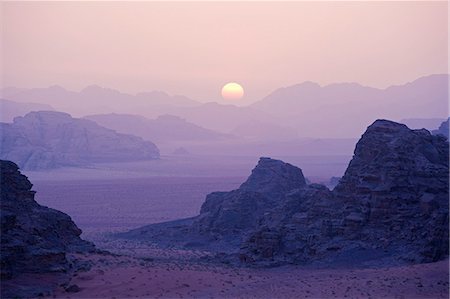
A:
x,y
224,214
226,218
274,177
34,239
47,139
443,129
390,207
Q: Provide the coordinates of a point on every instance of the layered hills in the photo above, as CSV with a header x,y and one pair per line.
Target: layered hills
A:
x,y
304,110
313,107
10,109
163,129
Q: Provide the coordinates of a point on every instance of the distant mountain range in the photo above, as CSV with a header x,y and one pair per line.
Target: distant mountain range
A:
x,y
10,109
48,139
340,110
257,131
305,110
96,99
251,139
166,129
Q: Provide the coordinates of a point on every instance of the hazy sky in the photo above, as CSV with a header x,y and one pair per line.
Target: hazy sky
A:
x,y
193,48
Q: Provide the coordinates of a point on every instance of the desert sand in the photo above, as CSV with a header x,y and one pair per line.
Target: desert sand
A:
x,y
113,276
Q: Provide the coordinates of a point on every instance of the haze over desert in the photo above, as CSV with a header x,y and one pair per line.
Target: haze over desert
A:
x,y
212,149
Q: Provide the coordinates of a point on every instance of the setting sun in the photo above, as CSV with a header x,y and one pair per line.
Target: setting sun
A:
x,y
170,131
232,91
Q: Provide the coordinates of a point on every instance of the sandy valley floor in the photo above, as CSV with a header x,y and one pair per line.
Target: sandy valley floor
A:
x,y
123,277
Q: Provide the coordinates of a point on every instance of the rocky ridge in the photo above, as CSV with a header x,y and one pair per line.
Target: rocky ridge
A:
x,y
34,238
443,129
390,207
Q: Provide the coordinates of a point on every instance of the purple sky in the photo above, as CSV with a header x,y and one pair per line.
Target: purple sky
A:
x,y
194,48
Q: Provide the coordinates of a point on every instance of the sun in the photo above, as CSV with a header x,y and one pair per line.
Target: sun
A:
x,y
232,91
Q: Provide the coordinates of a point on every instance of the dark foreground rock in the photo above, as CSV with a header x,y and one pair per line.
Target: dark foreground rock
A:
x,y
48,139
34,239
390,207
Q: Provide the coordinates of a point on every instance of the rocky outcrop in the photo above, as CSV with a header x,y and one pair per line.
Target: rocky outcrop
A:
x,y
46,139
225,213
34,239
397,183
226,218
242,209
443,129
390,207
274,177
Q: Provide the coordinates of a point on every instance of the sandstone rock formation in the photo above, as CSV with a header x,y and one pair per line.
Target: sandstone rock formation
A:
x,y
34,239
390,207
224,214
226,218
48,139
274,177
